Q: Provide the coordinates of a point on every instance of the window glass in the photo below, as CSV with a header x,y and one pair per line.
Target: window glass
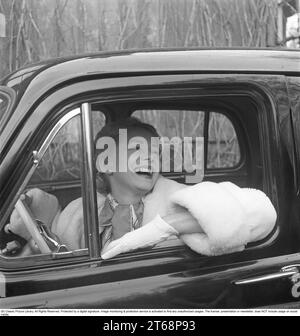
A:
x,y
98,121
183,146
223,147
223,150
48,217
62,160
172,123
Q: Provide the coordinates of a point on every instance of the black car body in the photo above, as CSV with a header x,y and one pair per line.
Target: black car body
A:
x,y
257,90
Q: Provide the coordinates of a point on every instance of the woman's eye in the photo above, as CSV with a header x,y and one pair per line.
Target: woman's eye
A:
x,y
137,146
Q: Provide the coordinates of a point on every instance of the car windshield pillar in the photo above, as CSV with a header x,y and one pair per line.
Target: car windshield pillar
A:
x,y
89,187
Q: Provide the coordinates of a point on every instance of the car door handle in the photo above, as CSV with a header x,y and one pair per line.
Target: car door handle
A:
x,y
285,272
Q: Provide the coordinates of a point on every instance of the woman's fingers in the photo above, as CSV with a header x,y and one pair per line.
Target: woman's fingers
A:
x,y
113,249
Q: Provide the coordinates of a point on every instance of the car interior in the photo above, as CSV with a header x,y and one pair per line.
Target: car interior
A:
x,y
229,126
240,113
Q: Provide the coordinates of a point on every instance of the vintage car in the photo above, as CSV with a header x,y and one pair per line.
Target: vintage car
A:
x,y
244,104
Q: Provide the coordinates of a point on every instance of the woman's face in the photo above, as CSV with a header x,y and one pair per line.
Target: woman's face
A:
x,y
142,162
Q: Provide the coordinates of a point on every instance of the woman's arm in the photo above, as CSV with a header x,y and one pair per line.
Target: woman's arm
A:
x,y
157,230
183,222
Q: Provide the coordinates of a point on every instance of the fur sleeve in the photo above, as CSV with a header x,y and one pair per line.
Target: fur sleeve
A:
x,y
230,216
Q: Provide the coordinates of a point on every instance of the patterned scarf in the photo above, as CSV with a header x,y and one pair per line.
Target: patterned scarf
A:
x,y
117,219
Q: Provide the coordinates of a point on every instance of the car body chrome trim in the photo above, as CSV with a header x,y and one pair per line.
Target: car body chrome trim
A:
x,y
285,272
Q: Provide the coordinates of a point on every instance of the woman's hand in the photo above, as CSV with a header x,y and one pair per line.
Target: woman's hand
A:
x,y
148,235
43,206
16,224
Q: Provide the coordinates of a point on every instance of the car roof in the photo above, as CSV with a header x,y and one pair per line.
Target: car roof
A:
x,y
53,71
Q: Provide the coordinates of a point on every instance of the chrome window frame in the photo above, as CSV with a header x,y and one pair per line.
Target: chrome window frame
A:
x,y
89,198
37,157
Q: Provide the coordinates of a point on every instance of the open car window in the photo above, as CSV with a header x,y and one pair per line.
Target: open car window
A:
x,y
48,217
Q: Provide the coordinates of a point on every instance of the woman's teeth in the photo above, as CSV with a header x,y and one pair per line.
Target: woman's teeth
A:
x,y
144,171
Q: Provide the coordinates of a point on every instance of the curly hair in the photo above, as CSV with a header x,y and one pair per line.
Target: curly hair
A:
x,y
112,129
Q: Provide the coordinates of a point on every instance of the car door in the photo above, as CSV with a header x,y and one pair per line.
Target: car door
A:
x,y
175,279
172,276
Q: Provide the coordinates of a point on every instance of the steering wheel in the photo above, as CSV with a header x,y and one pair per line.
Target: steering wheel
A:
x,y
31,224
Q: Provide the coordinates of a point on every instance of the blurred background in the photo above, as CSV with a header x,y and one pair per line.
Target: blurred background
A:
x,y
33,30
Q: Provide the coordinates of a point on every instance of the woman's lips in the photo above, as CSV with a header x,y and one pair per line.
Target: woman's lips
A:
x,y
143,171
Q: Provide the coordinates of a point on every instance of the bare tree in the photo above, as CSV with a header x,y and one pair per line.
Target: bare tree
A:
x,y
39,29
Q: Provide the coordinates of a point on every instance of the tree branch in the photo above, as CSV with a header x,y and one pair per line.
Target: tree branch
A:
x,y
290,38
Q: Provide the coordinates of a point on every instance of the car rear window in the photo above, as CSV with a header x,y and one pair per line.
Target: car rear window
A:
x,y
223,145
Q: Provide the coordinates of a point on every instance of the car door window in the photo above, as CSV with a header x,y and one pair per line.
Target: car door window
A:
x,y
62,159
223,149
223,146
182,136
51,203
